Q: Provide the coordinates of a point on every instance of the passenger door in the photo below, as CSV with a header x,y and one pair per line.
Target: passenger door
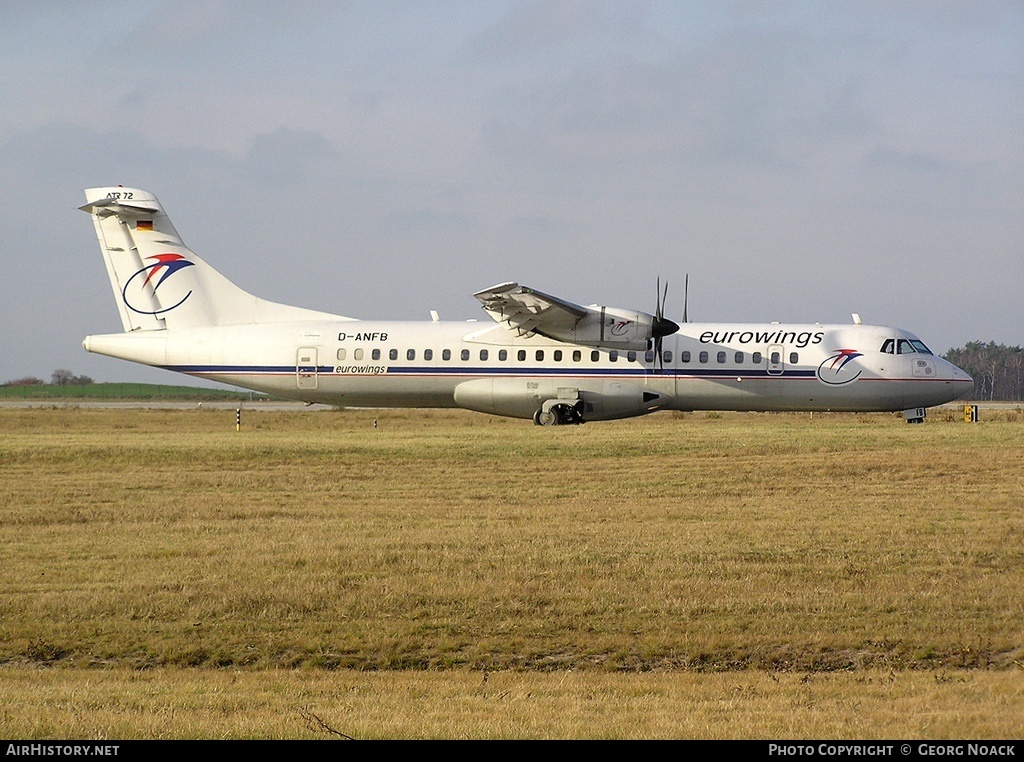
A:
x,y
305,368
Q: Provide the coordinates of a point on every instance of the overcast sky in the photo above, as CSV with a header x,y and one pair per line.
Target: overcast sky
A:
x,y
799,160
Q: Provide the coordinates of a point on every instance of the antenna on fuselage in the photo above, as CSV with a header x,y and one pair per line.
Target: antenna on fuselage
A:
x,y
856,318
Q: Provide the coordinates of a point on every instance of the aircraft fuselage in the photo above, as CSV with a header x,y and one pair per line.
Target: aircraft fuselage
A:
x,y
753,367
543,357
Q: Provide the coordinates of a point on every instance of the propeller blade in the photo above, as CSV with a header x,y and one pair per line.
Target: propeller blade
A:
x,y
662,326
657,321
686,296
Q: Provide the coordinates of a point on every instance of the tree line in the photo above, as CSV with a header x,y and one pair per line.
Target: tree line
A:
x,y
60,377
997,370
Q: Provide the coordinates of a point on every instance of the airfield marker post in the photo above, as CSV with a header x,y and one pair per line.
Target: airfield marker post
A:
x,y
238,419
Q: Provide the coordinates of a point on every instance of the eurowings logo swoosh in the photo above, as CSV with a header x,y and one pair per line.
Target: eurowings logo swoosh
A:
x,y
839,368
154,275
619,327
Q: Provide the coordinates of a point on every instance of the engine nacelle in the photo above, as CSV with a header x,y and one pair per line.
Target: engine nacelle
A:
x,y
597,400
613,327
527,310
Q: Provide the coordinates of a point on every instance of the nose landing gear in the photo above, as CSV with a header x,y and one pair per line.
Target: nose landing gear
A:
x,y
914,415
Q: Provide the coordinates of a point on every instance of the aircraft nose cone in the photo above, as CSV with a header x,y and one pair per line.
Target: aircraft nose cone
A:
x,y
663,327
961,379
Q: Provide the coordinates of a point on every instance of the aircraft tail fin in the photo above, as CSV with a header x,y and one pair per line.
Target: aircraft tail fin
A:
x,y
159,282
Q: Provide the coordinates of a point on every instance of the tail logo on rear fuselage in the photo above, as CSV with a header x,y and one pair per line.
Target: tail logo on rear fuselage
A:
x,y
154,275
836,370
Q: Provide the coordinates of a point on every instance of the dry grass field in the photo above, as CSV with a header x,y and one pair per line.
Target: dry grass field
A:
x,y
452,575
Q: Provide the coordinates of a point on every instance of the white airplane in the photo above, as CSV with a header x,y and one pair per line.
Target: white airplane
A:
x,y
543,357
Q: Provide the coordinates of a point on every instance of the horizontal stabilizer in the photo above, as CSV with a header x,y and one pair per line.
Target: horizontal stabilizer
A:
x,y
110,206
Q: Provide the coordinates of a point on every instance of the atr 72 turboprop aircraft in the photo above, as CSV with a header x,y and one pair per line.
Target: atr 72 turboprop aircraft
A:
x,y
543,358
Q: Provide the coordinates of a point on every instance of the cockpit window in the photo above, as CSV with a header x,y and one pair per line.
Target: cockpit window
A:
x,y
904,347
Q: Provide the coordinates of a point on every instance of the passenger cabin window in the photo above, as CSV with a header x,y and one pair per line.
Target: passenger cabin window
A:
x,y
577,355
703,357
594,356
446,354
684,356
794,358
756,358
358,354
558,355
613,356
341,353
503,354
739,358
666,356
393,354
631,356
776,358
721,357
540,355
649,356
428,354
410,354
464,354
521,355
483,354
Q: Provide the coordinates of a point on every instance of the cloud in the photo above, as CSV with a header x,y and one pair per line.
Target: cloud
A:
x,y
798,160
288,157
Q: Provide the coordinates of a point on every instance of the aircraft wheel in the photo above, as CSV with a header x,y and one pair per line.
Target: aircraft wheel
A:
x,y
545,418
571,415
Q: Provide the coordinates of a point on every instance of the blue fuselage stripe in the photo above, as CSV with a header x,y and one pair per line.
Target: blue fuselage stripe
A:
x,y
424,370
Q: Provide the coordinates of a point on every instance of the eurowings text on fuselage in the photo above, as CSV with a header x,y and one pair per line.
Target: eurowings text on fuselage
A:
x,y
542,358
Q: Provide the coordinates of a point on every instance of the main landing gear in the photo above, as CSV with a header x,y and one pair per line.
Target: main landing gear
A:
x,y
559,414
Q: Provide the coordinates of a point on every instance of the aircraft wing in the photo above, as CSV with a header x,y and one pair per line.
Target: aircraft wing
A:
x,y
527,310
